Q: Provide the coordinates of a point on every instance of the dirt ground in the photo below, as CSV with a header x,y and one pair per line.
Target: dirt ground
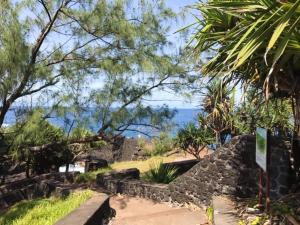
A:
x,y
139,211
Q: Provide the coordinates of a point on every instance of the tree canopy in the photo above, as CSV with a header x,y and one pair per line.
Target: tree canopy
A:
x,y
55,51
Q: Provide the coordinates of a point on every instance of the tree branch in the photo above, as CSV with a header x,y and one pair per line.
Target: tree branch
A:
x,y
98,137
134,99
28,72
46,9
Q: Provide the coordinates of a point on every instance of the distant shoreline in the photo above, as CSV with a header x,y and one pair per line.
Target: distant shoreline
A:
x,y
182,117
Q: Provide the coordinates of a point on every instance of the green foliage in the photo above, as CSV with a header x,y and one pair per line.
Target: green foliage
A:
x,y
43,211
194,139
158,173
162,144
280,208
85,178
120,44
256,221
255,42
90,177
254,111
210,214
80,132
35,130
242,222
217,109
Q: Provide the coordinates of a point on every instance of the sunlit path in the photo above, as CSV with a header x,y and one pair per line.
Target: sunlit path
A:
x,y
138,211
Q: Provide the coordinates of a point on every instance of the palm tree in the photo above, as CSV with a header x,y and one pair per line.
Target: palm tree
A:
x,y
217,108
255,42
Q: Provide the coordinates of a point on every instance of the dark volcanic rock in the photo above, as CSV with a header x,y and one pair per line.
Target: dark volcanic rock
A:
x,y
232,170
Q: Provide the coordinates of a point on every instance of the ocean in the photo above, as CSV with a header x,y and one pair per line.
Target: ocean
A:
x,y
181,118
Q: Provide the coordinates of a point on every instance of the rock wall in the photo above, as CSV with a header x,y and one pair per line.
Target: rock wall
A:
x,y
127,182
231,170
39,186
123,150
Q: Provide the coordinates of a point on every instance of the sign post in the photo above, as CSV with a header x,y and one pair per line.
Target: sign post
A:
x,y
262,159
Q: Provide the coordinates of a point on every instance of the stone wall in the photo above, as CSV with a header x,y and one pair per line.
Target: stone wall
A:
x,y
39,186
123,150
95,211
128,182
232,170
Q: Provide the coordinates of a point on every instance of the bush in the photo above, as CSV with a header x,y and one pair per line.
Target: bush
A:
x,y
90,177
162,144
85,178
141,142
193,139
81,132
35,130
159,173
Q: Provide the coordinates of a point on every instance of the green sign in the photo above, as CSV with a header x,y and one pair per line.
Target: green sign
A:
x,y
261,147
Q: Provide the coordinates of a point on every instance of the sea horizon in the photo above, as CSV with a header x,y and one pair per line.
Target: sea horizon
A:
x,y
182,117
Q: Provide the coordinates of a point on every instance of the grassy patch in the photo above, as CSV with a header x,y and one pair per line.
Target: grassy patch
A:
x,y
43,211
143,166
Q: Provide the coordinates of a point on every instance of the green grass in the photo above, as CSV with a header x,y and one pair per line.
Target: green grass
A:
x,y
43,211
142,166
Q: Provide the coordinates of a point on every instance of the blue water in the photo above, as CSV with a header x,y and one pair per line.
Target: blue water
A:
x,y
181,118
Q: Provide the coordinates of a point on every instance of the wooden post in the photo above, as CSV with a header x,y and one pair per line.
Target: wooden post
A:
x,y
260,188
268,201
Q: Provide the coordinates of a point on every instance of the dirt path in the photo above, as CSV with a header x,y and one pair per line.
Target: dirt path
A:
x,y
138,211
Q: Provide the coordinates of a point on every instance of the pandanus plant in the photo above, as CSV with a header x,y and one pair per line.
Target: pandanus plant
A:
x,y
254,42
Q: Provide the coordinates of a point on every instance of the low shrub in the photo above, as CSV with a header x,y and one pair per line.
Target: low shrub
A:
x,y
193,140
90,177
162,144
159,173
210,214
85,178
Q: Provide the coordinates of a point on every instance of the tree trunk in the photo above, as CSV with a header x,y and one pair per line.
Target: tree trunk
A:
x,y
296,137
3,111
